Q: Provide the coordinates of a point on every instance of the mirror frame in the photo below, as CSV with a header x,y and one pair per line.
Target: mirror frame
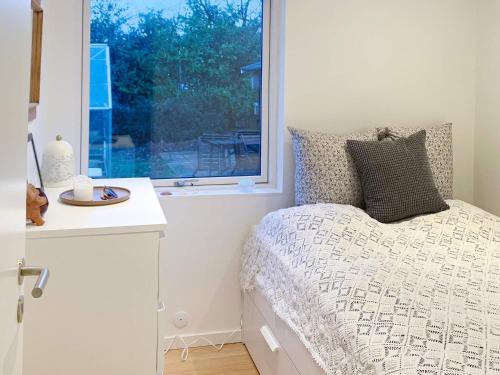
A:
x,y
36,58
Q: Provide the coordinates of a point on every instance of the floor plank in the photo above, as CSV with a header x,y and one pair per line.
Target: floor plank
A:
x,y
233,359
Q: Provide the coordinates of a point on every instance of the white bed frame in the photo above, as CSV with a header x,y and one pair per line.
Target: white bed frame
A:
x,y
274,347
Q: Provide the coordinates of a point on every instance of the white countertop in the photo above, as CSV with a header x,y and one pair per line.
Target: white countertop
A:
x,y
141,213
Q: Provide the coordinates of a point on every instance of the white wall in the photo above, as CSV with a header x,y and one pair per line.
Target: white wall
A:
x,y
200,257
349,65
60,98
360,63
487,168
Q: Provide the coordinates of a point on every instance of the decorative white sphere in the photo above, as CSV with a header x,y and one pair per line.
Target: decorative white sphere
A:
x,y
58,164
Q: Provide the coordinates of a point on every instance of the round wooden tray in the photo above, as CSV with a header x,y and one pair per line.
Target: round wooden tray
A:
x,y
123,195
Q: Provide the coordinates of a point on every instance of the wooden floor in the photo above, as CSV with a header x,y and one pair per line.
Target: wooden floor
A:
x,y
233,359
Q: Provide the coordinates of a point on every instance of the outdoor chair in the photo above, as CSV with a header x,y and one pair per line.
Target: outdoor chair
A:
x,y
216,155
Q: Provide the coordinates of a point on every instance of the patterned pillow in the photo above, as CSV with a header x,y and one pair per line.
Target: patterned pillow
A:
x,y
439,149
324,171
396,178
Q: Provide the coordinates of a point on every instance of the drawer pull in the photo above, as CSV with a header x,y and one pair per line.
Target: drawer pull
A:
x,y
270,339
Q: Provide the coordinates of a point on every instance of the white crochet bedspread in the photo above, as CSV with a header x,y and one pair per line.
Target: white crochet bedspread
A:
x,y
418,297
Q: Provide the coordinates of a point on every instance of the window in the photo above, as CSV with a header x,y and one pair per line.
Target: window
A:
x,y
177,89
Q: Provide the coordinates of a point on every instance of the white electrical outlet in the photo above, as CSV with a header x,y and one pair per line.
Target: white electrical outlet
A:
x,y
181,319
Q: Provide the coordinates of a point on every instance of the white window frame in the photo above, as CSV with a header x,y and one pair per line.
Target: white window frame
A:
x,y
271,105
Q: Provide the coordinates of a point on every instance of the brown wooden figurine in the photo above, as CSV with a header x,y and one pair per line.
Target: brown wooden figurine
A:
x,y
36,205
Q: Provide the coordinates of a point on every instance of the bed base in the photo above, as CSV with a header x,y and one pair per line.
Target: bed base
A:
x,y
264,331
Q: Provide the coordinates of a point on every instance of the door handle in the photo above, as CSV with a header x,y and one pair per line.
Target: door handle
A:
x,y
42,273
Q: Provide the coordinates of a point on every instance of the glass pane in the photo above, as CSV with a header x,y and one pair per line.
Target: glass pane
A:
x,y
175,88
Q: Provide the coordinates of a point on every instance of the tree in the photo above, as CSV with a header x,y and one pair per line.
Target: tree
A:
x,y
174,78
108,21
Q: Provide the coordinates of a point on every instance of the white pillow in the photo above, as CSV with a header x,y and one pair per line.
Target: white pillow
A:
x,y
439,147
324,170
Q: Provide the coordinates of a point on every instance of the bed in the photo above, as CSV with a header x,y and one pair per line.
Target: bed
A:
x,y
329,290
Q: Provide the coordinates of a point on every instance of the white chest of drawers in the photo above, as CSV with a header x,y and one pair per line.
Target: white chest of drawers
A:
x,y
98,314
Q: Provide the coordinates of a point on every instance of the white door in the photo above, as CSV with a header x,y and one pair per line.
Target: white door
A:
x,y
15,40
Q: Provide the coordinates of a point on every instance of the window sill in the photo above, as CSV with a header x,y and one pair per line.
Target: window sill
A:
x,y
215,191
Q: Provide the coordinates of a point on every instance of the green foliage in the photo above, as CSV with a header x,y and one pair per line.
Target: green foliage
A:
x,y
177,77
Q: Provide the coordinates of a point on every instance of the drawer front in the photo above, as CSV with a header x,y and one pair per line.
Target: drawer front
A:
x,y
260,339
302,359
98,314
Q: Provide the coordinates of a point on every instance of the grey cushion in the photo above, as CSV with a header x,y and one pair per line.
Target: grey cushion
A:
x,y
396,178
324,171
439,150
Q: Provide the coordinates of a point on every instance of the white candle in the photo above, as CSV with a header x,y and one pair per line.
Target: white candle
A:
x,y
83,188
